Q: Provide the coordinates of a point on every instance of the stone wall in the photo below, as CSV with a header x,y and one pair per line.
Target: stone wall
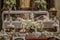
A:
x,y
57,6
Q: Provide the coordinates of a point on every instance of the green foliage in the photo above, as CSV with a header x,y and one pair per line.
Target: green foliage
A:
x,y
10,3
42,4
32,29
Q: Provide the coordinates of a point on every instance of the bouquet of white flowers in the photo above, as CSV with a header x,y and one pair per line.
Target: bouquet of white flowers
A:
x,y
32,25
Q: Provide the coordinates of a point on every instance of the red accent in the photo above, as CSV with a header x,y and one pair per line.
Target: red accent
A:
x,y
40,38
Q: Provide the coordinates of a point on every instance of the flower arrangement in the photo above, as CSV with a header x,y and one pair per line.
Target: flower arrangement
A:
x,y
32,26
41,4
57,35
10,4
48,34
